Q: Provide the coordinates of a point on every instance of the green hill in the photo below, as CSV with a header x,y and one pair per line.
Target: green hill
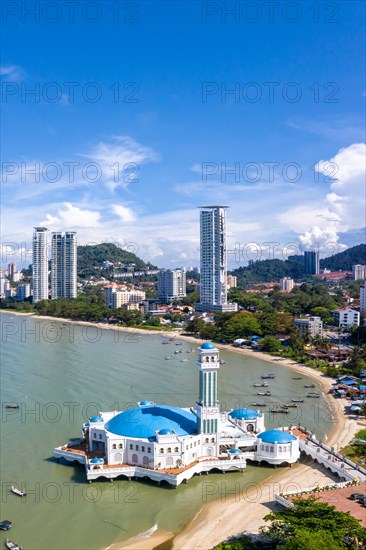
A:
x,y
91,258
343,261
264,271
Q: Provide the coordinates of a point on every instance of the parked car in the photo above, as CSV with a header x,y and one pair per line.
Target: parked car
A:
x,y
356,496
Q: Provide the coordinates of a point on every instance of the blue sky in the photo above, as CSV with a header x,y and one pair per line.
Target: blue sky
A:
x,y
172,133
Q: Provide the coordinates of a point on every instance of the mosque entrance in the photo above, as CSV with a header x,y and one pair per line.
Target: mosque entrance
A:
x,y
250,428
209,451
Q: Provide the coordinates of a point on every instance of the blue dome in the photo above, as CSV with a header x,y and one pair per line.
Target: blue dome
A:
x,y
144,403
208,345
276,436
86,425
97,461
96,419
234,451
165,431
244,414
144,422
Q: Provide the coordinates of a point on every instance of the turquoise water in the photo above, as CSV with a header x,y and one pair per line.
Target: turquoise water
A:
x,y
62,374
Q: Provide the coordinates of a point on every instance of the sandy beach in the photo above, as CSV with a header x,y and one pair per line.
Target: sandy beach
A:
x,y
219,520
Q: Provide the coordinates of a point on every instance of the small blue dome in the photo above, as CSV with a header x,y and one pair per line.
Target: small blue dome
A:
x,y
145,403
86,425
96,419
208,345
276,436
244,414
165,431
234,451
97,461
144,422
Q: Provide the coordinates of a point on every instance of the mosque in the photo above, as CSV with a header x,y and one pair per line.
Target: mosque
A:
x,y
172,444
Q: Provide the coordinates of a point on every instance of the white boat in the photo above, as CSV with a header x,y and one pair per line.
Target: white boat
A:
x,y
12,545
184,360
18,492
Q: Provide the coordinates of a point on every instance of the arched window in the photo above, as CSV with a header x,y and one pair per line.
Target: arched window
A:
x,y
100,436
169,450
176,450
131,446
114,446
195,443
137,447
120,446
191,445
143,449
186,447
149,449
212,440
207,440
207,359
134,458
271,449
280,449
161,451
212,359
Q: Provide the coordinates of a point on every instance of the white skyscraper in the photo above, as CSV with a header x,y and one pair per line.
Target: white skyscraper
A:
x,y
63,265
40,264
213,289
171,285
359,272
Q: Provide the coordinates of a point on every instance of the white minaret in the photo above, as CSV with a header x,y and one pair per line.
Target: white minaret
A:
x,y
208,410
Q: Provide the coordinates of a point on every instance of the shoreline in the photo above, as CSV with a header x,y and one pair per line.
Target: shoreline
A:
x,y
217,520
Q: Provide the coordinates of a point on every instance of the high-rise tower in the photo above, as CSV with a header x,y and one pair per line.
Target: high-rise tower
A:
x,y
63,267
213,289
40,264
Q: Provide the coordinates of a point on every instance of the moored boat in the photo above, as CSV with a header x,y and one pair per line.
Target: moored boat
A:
x,y
289,405
18,492
299,400
272,376
315,395
261,385
5,525
12,545
267,393
279,410
309,386
11,406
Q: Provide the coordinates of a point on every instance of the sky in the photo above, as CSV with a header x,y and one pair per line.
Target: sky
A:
x,y
120,119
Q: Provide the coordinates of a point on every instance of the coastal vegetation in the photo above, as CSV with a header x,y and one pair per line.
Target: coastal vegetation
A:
x,y
310,525
356,450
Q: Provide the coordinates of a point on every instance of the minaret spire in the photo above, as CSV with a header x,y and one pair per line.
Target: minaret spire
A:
x,y
208,404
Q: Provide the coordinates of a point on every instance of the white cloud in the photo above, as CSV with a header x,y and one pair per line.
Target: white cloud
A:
x,y
120,160
71,217
12,72
125,213
343,205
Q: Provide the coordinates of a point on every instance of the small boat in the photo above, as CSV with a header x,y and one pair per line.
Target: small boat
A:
x,y
184,360
165,342
178,343
258,404
169,357
267,393
18,492
299,400
12,545
315,395
283,411
5,525
12,406
261,385
222,362
309,386
289,405
272,376
296,377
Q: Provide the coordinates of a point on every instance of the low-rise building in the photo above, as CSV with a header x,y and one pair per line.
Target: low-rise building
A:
x,y
363,300
346,317
116,296
231,281
312,326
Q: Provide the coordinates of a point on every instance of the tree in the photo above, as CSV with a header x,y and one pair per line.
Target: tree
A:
x,y
269,343
308,540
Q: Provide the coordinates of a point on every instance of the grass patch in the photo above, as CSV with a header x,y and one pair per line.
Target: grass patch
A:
x,y
357,450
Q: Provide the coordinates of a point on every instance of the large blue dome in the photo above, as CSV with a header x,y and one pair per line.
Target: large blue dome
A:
x,y
276,436
144,422
244,414
208,345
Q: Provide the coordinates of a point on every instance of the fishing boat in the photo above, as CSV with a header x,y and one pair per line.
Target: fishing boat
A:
x,y
12,545
272,376
289,405
5,525
17,491
280,410
184,360
309,386
169,357
222,362
315,395
296,377
258,404
12,406
165,342
261,385
299,400
178,343
267,393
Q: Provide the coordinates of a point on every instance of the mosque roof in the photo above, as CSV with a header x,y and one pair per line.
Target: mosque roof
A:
x,y
144,421
276,436
208,345
244,414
